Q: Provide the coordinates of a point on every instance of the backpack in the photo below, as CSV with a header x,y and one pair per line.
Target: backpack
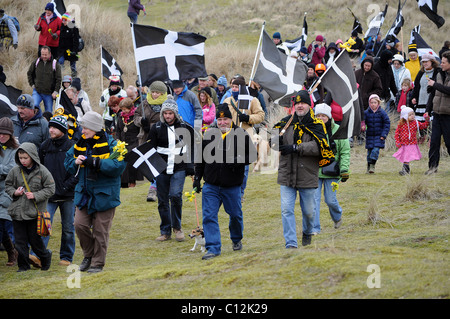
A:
x,y
16,23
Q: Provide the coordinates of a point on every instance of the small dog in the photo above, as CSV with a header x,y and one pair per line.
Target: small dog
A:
x,y
199,236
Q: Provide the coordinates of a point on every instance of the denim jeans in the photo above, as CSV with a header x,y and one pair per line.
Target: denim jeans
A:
x,y
212,198
47,98
288,195
330,200
67,211
170,201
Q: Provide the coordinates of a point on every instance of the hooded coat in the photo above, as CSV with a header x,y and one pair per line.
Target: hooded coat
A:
x,y
369,82
40,181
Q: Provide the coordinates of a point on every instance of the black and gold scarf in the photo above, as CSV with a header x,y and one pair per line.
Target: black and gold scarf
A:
x,y
99,144
313,126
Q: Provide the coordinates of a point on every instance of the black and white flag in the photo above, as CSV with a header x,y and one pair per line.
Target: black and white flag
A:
x,y
146,160
375,24
399,21
109,65
60,8
278,74
429,7
167,55
8,98
340,81
298,43
423,47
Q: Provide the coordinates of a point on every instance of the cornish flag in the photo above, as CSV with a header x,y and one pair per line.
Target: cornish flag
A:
x,y
298,43
8,98
109,65
375,24
146,160
429,7
423,47
167,55
340,81
60,8
281,76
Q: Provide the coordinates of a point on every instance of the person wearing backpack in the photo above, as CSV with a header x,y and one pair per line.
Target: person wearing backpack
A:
x,y
44,76
49,24
8,31
68,43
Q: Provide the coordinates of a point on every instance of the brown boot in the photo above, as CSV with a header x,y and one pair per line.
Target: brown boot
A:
x,y
12,253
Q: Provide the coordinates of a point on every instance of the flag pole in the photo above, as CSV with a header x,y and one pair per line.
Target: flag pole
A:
x,y
257,50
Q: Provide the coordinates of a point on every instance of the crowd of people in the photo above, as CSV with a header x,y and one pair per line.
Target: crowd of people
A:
x,y
65,154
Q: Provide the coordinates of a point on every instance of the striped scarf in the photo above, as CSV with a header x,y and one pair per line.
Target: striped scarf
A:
x,y
99,146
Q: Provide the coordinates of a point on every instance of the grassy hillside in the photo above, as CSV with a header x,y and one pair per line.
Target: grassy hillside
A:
x,y
398,223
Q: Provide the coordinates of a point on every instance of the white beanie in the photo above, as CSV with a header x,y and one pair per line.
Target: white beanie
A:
x,y
323,109
405,111
92,121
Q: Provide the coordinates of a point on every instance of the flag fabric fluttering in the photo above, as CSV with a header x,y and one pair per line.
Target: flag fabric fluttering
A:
x,y
146,160
422,47
298,43
375,24
340,81
109,65
60,8
8,98
167,55
429,8
278,74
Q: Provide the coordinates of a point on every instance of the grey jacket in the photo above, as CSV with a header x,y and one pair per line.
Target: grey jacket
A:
x,y
39,180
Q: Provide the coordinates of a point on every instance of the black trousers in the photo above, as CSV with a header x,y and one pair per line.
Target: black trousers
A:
x,y
25,232
440,127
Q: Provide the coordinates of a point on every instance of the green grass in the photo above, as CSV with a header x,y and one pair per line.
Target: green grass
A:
x,y
408,240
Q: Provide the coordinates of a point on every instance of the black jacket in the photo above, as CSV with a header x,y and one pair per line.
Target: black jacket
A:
x,y
224,160
52,154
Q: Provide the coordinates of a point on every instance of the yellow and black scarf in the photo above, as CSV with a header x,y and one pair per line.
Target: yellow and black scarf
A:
x,y
316,129
99,144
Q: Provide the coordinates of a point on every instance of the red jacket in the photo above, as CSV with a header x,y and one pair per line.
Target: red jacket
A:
x,y
45,38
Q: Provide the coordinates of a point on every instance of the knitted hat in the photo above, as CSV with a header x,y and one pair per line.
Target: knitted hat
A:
x,y
169,105
222,81
92,121
158,86
59,122
405,110
6,126
323,109
302,96
222,110
50,6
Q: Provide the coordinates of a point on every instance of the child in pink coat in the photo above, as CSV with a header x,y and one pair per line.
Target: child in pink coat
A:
x,y
406,138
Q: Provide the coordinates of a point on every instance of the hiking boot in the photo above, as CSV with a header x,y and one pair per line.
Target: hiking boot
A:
x,y
237,246
163,237
209,255
179,235
306,240
85,264
34,261
152,195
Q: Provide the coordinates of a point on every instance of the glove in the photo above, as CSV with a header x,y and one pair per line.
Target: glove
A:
x,y
92,162
196,184
344,176
288,149
244,117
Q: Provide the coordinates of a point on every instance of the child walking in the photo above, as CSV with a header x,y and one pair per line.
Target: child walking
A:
x,y
23,210
377,129
406,138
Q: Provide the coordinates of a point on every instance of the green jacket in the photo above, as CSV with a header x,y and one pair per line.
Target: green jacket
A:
x,y
40,181
342,153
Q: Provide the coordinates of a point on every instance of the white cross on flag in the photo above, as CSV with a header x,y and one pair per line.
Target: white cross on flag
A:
x,y
167,55
278,74
146,160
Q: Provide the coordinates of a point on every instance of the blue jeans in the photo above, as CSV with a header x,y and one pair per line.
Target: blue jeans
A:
x,y
212,198
47,98
288,195
330,200
170,201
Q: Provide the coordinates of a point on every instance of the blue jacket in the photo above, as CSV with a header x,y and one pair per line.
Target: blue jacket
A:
x,y
378,125
103,193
